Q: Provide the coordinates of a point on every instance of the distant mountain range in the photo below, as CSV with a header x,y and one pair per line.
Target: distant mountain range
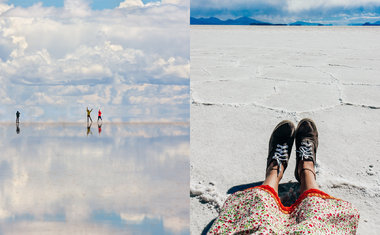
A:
x,y
377,23
250,21
238,21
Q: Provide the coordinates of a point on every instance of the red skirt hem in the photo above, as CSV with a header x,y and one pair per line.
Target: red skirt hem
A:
x,y
290,209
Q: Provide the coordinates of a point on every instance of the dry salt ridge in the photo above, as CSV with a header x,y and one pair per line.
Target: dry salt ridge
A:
x,y
244,80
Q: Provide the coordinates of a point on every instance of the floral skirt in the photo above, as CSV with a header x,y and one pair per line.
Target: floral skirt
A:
x,y
259,210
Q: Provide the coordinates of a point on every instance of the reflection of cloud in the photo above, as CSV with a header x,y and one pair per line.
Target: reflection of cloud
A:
x,y
59,228
121,174
132,218
171,153
62,59
175,224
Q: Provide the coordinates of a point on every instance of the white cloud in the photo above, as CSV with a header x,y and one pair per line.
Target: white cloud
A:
x,y
139,3
300,5
171,67
4,7
79,8
131,3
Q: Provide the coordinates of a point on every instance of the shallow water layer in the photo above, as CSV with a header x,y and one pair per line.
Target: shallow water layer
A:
x,y
113,179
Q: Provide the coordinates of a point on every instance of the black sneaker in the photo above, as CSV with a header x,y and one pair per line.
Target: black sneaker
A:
x,y
306,143
280,144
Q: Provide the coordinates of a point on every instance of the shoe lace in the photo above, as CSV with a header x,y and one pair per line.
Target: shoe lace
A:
x,y
305,151
280,155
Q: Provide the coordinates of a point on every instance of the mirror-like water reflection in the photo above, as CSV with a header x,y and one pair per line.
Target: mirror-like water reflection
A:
x,y
102,179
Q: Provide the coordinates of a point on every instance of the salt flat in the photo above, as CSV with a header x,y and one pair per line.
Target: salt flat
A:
x,y
66,178
244,80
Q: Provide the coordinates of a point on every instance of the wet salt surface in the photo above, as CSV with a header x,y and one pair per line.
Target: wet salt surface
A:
x,y
120,179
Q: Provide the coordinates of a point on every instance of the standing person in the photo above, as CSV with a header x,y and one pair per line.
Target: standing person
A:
x,y
18,116
259,209
89,114
99,115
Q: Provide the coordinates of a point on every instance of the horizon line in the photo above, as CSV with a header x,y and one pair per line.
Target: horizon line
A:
x,y
106,122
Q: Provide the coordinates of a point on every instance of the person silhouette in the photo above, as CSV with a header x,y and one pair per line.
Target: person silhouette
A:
x,y
18,116
89,114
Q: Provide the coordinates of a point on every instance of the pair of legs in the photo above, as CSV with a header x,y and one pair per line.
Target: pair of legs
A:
x,y
89,118
306,177
280,146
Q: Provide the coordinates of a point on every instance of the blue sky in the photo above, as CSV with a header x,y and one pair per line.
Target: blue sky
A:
x,y
337,12
131,61
95,4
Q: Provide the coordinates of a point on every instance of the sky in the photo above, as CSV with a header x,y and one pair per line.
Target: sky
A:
x,y
128,58
337,12
94,4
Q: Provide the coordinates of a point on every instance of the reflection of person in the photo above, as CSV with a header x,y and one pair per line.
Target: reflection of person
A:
x,y
18,116
17,128
89,114
99,128
259,209
100,115
89,128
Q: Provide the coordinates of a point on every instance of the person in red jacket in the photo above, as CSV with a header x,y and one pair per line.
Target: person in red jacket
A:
x,y
100,115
